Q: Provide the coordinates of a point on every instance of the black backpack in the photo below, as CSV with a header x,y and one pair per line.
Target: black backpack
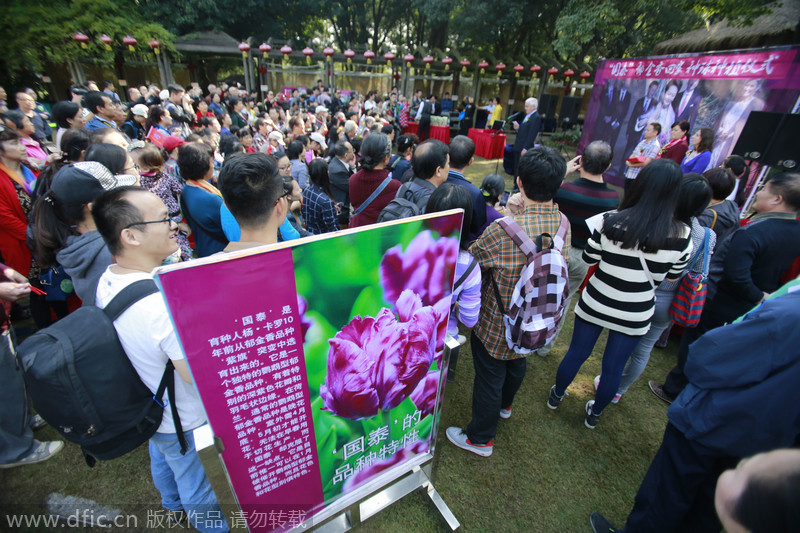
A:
x,y
83,384
410,201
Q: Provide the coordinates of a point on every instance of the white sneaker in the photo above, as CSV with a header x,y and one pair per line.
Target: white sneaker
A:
x,y
616,397
459,438
42,452
462,340
505,414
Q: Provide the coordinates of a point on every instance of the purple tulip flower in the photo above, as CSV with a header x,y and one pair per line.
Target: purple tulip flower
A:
x,y
375,363
425,267
305,322
424,396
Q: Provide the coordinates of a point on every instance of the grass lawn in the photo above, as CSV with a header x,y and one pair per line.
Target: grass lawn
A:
x,y
548,471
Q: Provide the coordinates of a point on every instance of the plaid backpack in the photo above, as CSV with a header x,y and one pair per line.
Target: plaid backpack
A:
x,y
539,297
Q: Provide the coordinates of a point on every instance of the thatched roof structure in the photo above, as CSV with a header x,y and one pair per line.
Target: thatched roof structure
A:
x,y
781,27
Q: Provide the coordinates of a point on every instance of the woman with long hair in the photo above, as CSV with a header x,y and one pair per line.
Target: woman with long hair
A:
x,y
636,248
319,209
695,194
678,144
699,157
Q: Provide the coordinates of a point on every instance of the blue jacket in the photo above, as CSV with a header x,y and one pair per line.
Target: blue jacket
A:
x,y
743,395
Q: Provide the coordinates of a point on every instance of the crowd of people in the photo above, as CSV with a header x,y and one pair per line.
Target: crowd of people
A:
x,y
172,175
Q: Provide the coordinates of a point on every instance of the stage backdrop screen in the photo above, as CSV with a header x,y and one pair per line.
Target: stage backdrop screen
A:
x,y
712,90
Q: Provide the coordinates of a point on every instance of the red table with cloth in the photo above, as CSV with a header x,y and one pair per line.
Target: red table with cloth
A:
x,y
437,132
488,143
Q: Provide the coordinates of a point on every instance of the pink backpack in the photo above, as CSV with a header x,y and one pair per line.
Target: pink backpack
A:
x,y
539,297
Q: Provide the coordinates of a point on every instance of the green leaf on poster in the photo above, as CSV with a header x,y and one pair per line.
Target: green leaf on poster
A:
x,y
368,303
316,350
424,427
326,444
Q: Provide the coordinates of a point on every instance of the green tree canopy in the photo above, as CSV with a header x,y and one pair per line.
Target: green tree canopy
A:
x,y
34,32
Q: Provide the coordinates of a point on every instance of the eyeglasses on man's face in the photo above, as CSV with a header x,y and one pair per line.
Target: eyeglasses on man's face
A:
x,y
144,223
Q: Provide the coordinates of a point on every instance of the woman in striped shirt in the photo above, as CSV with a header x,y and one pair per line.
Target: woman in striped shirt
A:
x,y
636,248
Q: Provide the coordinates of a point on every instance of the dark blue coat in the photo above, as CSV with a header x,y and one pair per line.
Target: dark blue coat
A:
x,y
743,395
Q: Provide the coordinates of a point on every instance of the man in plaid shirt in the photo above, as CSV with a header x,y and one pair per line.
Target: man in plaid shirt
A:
x,y
498,369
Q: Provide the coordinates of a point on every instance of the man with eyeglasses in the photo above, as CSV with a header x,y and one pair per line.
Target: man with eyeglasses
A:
x,y
136,226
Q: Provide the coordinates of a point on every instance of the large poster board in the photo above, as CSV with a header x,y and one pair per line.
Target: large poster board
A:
x,y
713,90
319,361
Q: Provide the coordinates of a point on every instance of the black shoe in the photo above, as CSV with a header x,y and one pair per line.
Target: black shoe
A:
x,y
658,390
591,418
554,400
600,524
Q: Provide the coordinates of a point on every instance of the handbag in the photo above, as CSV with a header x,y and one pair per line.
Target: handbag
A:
x,y
56,283
687,305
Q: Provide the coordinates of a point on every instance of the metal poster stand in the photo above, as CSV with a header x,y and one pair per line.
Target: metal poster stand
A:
x,y
350,509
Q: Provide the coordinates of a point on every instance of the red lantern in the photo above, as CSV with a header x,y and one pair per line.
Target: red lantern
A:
x,y
517,69
483,65
106,40
130,42
389,57
308,52
552,71
349,54
447,61
427,60
286,50
584,76
155,45
328,52
500,68
265,49
82,38
408,58
262,69
464,64
244,48
569,73
369,55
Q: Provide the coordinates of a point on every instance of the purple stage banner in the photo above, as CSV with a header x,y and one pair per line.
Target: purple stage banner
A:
x,y
713,90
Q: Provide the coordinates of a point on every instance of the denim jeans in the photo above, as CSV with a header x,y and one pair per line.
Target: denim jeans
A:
x,y
183,483
618,349
16,436
641,354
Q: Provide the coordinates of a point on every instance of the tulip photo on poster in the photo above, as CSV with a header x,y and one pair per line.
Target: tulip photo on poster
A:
x,y
378,316
318,361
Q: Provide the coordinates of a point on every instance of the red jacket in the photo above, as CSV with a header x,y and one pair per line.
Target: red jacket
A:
x,y
13,223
